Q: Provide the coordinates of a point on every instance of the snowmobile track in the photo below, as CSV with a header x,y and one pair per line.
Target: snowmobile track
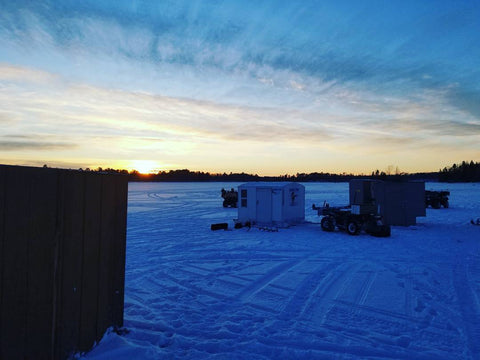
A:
x,y
470,307
264,281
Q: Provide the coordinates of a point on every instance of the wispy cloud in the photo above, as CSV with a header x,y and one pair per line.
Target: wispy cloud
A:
x,y
130,124
369,45
9,145
278,78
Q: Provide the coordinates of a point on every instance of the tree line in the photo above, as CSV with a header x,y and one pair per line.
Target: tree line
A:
x,y
464,172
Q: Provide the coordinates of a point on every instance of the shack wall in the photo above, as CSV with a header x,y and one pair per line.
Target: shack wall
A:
x,y
294,203
271,203
62,260
400,203
247,198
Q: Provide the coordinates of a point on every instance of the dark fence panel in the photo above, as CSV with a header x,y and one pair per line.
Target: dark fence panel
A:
x,y
2,242
91,252
41,234
14,265
105,272
62,260
119,249
70,263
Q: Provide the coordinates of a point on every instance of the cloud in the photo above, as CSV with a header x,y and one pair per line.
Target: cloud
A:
x,y
376,46
320,115
18,145
466,99
13,73
6,118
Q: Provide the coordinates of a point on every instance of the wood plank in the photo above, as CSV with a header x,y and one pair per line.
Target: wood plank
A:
x,y
42,227
91,250
3,170
70,264
13,319
107,243
119,248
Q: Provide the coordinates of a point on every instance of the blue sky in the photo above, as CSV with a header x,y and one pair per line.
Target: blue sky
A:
x,y
267,87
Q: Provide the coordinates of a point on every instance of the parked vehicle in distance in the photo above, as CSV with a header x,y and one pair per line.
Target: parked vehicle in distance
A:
x,y
436,199
352,220
230,198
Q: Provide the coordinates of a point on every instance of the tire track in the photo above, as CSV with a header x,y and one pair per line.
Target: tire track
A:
x,y
364,291
264,281
185,284
359,300
408,294
469,307
402,318
330,350
313,293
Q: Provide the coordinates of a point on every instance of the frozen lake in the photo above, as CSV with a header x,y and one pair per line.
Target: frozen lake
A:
x,y
299,293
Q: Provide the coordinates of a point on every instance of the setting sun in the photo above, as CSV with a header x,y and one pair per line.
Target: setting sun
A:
x,y
144,166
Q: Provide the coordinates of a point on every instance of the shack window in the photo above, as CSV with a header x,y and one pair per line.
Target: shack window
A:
x,y
243,199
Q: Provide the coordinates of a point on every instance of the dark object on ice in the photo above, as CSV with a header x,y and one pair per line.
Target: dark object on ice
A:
x,y
351,220
219,226
475,222
399,203
239,225
436,199
268,228
230,198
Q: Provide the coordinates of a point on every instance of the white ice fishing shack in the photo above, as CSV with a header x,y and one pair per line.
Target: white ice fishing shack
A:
x,y
271,203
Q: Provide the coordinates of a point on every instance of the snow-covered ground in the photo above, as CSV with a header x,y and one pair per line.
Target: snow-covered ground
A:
x,y
299,293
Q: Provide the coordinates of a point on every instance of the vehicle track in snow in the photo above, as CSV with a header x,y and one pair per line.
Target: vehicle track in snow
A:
x,y
264,281
469,304
315,294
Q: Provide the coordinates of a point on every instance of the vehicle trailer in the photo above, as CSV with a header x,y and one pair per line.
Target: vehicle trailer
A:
x,y
353,222
436,199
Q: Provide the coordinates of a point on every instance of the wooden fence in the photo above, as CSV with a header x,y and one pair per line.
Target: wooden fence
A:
x,y
62,260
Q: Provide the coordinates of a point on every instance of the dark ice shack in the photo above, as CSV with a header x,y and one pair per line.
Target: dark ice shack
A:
x,y
398,202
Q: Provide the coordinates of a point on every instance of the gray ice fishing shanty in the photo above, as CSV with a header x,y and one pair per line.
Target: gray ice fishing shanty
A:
x,y
398,202
271,203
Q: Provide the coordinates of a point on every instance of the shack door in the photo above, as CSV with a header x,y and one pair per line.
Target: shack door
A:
x,y
264,206
395,210
277,206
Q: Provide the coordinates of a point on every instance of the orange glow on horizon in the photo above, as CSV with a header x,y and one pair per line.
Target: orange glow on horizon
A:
x,y
144,166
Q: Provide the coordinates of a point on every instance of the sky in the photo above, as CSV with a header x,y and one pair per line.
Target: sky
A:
x,y
264,87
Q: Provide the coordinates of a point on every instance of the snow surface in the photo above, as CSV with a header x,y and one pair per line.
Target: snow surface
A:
x,y
299,293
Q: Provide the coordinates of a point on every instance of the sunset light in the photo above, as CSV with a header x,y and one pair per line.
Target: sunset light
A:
x,y
144,166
